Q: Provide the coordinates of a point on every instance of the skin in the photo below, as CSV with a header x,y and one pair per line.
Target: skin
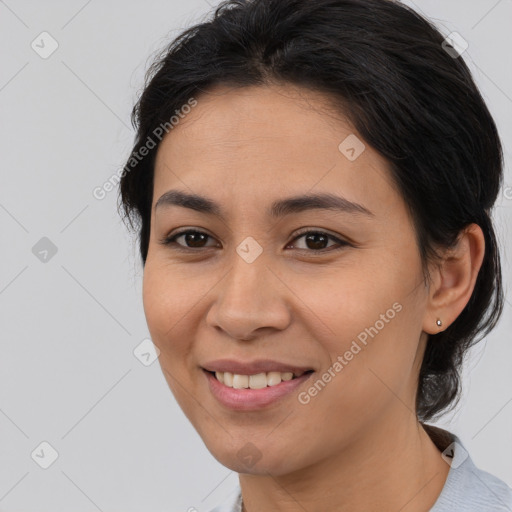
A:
x,y
357,445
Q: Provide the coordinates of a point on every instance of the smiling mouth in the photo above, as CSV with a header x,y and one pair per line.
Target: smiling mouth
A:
x,y
255,381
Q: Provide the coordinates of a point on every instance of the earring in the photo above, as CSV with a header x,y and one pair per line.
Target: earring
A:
x,y
439,323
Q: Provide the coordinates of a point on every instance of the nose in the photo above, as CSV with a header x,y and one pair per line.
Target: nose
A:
x,y
251,301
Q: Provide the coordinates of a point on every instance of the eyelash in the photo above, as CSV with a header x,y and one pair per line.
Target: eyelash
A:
x,y
171,240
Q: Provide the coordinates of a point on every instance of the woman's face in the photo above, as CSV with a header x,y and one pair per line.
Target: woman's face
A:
x,y
253,286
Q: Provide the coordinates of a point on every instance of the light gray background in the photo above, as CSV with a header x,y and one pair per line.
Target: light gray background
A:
x,y
68,375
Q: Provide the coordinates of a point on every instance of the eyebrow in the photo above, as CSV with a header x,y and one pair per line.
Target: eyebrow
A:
x,y
279,208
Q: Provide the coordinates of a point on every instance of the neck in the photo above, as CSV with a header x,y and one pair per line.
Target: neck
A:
x,y
393,467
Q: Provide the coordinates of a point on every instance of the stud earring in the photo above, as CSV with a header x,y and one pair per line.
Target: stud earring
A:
x,y
439,323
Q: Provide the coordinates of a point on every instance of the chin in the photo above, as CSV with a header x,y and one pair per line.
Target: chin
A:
x,y
243,456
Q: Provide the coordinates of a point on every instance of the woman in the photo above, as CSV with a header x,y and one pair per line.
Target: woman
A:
x,y
312,185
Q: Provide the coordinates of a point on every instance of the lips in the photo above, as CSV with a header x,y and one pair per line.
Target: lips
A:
x,y
254,399
254,367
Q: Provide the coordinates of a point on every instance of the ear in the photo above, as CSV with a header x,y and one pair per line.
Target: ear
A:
x,y
453,279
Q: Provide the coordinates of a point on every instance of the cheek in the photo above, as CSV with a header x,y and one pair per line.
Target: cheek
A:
x,y
362,382
369,330
169,310
169,298
169,303
343,303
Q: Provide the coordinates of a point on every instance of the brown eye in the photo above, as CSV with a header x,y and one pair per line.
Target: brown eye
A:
x,y
193,239
317,241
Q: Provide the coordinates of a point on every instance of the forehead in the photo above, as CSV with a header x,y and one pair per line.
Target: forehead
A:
x,y
256,117
256,142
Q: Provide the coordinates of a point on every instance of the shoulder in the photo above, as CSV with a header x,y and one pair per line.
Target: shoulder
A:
x,y
469,488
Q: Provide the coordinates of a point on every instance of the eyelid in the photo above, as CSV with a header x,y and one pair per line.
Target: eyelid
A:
x,y
307,230
171,239
340,242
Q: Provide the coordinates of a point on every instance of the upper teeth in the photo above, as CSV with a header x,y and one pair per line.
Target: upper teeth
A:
x,y
258,381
